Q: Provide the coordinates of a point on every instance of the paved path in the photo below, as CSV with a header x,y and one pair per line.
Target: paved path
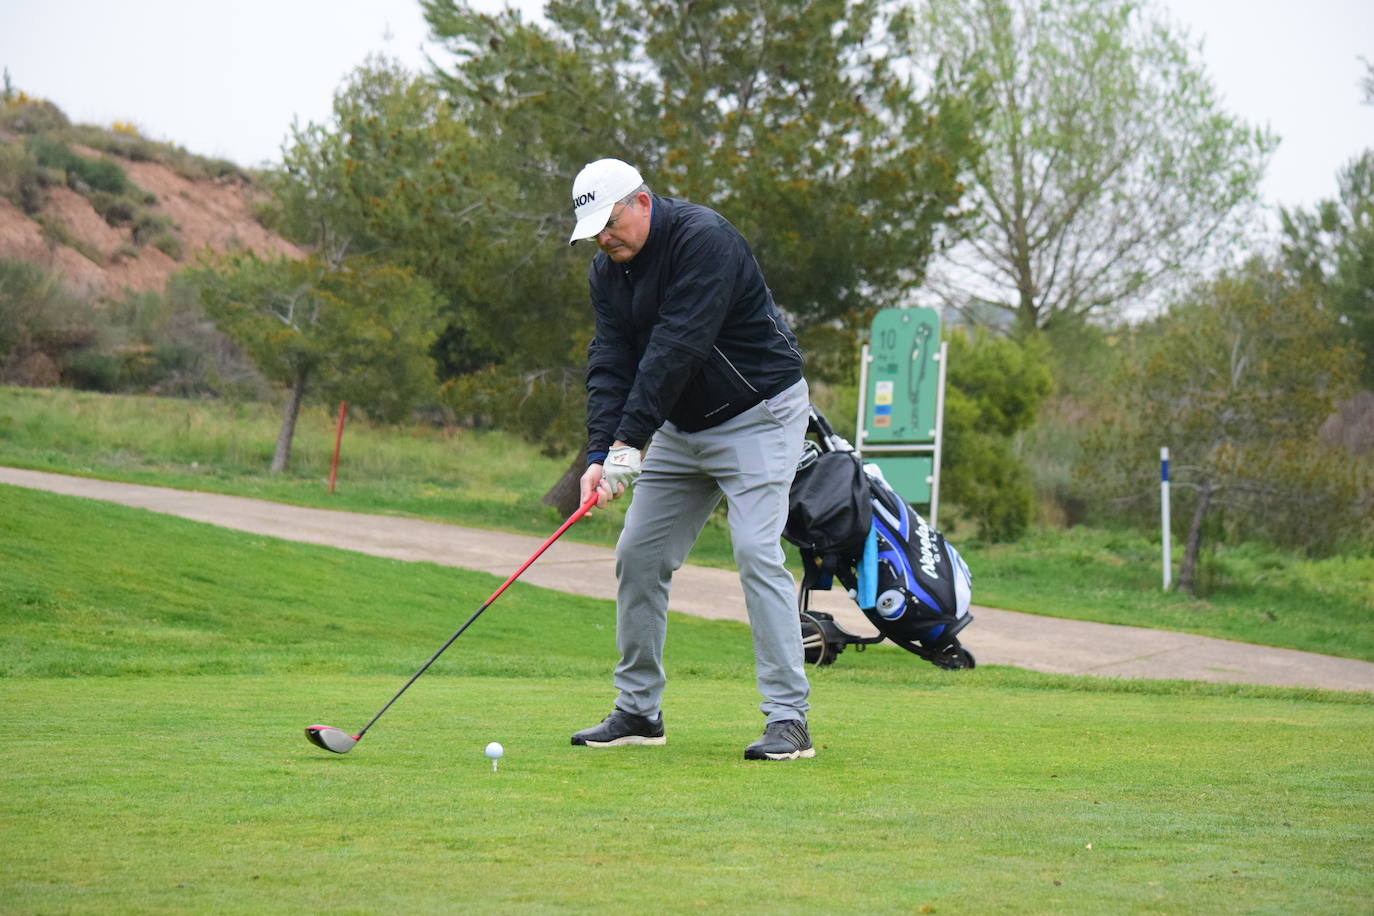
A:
x,y
996,637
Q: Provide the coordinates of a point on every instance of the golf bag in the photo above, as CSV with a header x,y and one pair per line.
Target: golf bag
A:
x,y
850,525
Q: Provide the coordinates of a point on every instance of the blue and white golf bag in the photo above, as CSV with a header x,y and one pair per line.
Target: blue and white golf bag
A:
x,y
906,578
910,582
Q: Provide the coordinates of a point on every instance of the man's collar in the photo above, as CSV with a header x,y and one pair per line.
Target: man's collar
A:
x,y
660,215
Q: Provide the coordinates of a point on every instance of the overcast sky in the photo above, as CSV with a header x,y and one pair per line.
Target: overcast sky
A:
x,y
226,78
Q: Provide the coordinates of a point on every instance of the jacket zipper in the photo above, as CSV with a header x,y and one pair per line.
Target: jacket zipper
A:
x,y
734,370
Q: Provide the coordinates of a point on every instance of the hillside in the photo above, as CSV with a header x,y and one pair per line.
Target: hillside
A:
x,y
108,210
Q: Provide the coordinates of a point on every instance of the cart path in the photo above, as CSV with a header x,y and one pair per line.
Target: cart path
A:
x,y
996,637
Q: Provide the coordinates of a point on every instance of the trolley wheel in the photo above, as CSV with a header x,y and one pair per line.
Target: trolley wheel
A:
x,y
954,658
814,648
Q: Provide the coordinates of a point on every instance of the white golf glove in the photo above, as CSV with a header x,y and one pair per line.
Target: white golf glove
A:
x,y
621,467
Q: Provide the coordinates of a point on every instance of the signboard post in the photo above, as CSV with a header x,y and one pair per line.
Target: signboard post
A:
x,y
901,402
1164,513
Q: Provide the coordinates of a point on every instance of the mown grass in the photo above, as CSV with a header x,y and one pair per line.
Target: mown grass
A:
x,y
1256,595
487,479
482,479
158,672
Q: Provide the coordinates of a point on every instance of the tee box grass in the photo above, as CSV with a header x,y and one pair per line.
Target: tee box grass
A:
x,y
158,675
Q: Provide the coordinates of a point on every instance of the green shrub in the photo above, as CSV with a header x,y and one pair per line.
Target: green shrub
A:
x,y
92,370
127,146
125,142
101,175
20,178
41,324
169,244
95,174
55,232
30,197
32,116
149,225
29,297
994,387
547,408
223,168
115,209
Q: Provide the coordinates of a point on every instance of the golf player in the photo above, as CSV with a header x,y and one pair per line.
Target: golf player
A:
x,y
691,351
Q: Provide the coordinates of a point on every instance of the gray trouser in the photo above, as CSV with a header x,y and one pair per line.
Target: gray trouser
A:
x,y
751,459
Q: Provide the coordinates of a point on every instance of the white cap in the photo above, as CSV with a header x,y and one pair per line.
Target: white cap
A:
x,y
595,191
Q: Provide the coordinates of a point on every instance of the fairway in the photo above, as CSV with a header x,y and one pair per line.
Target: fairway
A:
x,y
159,674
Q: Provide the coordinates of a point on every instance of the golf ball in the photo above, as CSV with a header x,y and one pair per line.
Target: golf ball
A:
x,y
495,750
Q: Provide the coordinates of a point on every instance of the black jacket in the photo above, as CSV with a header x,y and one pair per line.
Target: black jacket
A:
x,y
685,331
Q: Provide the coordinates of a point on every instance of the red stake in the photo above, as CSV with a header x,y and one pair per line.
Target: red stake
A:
x,y
338,441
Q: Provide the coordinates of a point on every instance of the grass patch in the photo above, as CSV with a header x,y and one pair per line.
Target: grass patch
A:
x,y
93,174
158,674
494,480
55,232
1256,594
92,589
201,794
485,479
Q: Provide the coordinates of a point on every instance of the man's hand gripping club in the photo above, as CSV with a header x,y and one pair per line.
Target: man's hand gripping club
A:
x,y
611,479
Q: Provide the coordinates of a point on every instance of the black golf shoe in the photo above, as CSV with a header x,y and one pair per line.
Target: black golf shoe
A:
x,y
621,728
785,740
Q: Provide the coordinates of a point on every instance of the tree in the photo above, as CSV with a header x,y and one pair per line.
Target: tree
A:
x,y
1235,381
402,173
794,118
1332,246
995,385
359,331
405,173
1108,166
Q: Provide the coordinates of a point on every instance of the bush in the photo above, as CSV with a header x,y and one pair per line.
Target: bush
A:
x,y
1082,357
41,324
133,147
29,296
55,232
223,169
30,196
102,175
94,174
146,342
126,251
92,370
169,244
149,225
115,209
31,116
995,386
547,408
20,178
170,347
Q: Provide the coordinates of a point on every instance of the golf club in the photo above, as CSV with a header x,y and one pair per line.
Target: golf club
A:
x,y
341,742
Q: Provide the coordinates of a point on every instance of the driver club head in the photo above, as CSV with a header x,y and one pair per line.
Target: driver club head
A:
x,y
331,739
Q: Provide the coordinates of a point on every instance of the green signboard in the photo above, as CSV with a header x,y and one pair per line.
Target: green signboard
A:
x,y
903,377
909,475
901,397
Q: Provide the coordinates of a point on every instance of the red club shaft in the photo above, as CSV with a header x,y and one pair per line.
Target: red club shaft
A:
x,y
572,519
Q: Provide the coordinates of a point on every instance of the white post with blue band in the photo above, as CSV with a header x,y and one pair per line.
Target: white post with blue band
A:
x,y
1164,510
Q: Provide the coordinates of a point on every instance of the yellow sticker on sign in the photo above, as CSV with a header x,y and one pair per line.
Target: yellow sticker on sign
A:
x,y
882,393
